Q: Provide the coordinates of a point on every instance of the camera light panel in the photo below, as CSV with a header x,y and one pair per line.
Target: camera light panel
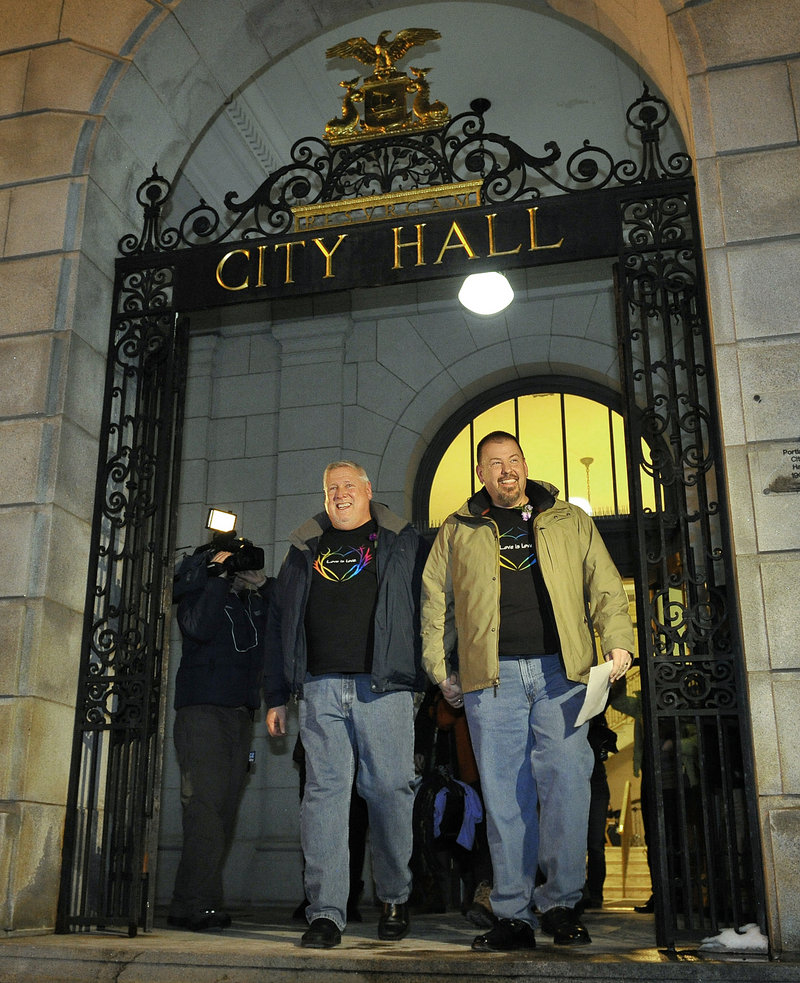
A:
x,y
221,521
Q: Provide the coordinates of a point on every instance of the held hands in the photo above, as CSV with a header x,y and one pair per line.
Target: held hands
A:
x,y
451,690
276,721
622,662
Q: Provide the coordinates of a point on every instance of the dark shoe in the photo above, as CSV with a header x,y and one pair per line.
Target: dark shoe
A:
x,y
647,908
210,918
565,926
508,935
394,922
322,933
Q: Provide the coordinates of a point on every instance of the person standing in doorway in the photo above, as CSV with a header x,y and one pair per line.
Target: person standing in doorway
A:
x,y
603,742
343,637
519,580
222,615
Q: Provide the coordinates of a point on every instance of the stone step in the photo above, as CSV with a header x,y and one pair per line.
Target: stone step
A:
x,y
262,947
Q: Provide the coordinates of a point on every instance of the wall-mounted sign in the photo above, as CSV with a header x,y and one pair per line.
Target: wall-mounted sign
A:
x,y
399,238
785,478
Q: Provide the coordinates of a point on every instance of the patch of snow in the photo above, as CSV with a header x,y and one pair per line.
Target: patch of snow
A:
x,y
746,939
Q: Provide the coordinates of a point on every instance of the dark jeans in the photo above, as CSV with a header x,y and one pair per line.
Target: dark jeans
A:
x,y
212,745
596,834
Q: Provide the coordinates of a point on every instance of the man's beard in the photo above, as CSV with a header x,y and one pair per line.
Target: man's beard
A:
x,y
510,497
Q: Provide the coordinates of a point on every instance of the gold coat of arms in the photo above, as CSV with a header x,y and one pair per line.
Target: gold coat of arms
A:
x,y
385,93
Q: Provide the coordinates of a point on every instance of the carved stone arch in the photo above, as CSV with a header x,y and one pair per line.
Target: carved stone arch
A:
x,y
641,210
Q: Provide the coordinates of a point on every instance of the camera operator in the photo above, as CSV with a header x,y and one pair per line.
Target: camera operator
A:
x,y
222,614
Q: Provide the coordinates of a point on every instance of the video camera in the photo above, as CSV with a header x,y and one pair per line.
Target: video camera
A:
x,y
244,555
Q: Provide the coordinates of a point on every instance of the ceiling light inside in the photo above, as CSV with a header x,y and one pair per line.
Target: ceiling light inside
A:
x,y
486,293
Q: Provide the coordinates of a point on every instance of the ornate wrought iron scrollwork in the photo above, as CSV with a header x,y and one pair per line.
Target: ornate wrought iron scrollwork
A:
x,y
648,115
695,685
692,667
121,688
152,195
463,149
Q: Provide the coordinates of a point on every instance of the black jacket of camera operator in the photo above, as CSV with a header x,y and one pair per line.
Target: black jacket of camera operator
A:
x,y
222,630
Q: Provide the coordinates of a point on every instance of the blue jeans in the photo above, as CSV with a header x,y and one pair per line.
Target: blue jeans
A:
x,y
529,754
347,729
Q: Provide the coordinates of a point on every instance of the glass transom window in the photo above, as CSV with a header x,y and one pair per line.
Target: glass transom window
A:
x,y
573,442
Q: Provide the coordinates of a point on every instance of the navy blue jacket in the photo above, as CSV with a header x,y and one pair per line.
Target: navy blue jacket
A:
x,y
223,640
400,554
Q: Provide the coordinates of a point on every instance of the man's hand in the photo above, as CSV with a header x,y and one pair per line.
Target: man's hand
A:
x,y
255,577
451,690
217,566
622,662
276,721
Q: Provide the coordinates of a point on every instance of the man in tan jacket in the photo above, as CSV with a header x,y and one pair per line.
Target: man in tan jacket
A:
x,y
515,585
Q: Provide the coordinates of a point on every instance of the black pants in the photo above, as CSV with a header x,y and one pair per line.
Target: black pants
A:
x,y
212,745
596,833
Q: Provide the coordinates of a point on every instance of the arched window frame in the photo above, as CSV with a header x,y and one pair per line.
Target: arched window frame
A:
x,y
618,531
532,385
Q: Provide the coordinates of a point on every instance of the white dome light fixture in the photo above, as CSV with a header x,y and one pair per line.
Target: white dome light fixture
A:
x,y
486,293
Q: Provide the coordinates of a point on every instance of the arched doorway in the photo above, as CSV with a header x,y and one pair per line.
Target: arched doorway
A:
x,y
117,738
559,421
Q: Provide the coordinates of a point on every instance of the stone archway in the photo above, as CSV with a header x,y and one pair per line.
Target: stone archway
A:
x,y
641,210
63,295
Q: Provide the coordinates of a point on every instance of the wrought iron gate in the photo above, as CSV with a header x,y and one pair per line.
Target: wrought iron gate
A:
x,y
111,822
700,789
701,823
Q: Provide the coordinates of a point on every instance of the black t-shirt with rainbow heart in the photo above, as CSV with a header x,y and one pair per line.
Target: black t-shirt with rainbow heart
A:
x,y
527,624
340,612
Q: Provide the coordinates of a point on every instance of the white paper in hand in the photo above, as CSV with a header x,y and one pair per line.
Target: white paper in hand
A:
x,y
596,692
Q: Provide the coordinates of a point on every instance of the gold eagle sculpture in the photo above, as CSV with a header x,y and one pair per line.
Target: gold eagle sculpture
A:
x,y
384,53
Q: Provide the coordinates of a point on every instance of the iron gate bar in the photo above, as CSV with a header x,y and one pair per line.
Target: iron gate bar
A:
x,y
112,808
708,862
117,740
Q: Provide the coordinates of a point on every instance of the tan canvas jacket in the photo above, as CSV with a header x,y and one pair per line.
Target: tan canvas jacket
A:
x,y
461,590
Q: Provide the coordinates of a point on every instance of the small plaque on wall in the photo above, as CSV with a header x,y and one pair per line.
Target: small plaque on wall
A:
x,y
785,478
776,480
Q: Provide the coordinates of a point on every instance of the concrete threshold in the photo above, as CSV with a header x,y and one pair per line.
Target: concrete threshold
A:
x,y
263,947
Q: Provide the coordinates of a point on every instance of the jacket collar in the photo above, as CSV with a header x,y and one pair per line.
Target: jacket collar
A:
x,y
307,534
541,494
